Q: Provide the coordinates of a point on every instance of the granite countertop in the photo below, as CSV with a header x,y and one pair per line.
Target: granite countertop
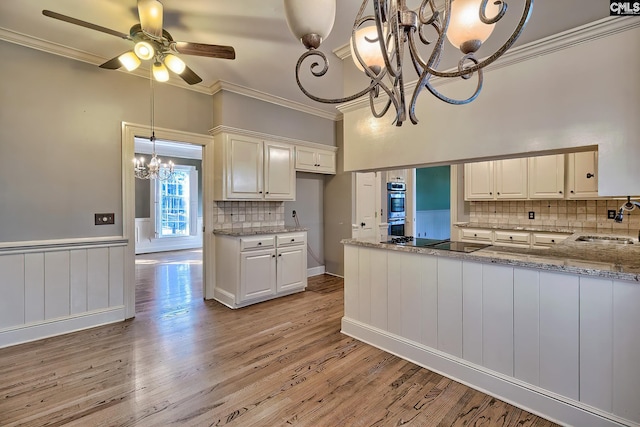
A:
x,y
238,232
612,261
566,229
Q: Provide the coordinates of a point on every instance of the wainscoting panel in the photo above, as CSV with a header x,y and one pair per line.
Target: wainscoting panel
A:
x,y
55,287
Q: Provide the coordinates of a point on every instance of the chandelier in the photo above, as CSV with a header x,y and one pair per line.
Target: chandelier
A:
x,y
378,43
155,169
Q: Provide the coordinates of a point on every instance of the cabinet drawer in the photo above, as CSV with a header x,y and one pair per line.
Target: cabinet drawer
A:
x,y
519,238
548,239
290,239
248,243
475,234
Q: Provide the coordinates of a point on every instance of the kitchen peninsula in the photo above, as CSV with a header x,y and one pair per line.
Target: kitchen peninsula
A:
x,y
551,330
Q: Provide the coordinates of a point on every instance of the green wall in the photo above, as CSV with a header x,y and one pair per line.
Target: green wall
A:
x,y
433,188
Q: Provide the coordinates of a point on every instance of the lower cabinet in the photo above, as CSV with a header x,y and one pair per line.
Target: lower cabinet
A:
x,y
252,269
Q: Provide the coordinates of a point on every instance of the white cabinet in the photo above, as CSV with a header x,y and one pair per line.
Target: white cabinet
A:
x,y
513,238
582,175
247,168
397,175
251,269
496,180
518,239
546,177
315,160
546,240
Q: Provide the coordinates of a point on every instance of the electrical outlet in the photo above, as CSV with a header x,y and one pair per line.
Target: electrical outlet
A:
x,y
104,218
532,215
611,214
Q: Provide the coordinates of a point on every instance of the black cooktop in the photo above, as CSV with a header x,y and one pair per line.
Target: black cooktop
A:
x,y
445,244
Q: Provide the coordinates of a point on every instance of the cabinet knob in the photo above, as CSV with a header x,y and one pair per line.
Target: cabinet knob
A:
x,y
511,237
490,192
267,192
475,235
553,240
259,243
293,240
590,175
273,256
560,191
362,224
260,192
498,193
571,191
279,254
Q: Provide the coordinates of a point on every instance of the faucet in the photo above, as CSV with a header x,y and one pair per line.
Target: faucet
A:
x,y
629,206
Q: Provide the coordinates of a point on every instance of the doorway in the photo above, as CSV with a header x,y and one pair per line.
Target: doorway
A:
x,y
433,202
129,133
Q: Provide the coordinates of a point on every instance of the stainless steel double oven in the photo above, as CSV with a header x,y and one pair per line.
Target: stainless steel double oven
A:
x,y
396,207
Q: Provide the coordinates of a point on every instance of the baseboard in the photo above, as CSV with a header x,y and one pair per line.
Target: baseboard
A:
x,y
147,249
333,274
315,271
64,325
537,401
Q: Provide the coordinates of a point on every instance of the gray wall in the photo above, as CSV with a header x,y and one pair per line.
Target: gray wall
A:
x,y
309,208
60,141
337,210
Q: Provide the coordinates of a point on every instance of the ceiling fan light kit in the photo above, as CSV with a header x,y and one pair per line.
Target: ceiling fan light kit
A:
x,y
379,39
153,43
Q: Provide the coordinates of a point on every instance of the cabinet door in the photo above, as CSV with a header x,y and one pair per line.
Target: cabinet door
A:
x,y
244,168
546,177
511,179
306,159
398,175
291,268
478,181
279,174
582,175
257,274
326,161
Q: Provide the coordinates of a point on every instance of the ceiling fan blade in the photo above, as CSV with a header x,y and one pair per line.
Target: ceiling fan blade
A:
x,y
209,50
150,13
112,64
189,76
85,24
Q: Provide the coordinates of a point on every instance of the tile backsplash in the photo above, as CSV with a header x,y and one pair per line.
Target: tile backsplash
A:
x,y
229,215
570,213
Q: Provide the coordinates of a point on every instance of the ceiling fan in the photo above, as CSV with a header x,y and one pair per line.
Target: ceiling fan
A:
x,y
152,42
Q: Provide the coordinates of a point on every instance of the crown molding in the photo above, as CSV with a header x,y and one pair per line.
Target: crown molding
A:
x,y
167,148
275,138
595,30
221,85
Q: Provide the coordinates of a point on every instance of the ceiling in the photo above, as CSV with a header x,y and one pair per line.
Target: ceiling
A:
x,y
266,53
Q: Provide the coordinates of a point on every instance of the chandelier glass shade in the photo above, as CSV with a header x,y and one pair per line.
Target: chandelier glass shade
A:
x,y
155,169
379,40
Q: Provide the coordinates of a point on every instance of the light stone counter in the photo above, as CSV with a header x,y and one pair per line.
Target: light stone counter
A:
x,y
239,232
545,228
613,261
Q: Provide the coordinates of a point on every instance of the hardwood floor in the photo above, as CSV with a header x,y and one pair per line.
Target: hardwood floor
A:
x,y
186,361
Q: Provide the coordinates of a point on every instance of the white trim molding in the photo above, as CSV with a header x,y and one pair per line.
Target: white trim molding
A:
x,y
275,138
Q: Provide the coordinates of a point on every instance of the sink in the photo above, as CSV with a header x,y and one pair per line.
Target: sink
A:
x,y
606,240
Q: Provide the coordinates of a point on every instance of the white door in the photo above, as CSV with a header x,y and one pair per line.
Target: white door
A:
x,y
280,181
366,204
257,274
478,181
511,178
546,177
291,269
244,165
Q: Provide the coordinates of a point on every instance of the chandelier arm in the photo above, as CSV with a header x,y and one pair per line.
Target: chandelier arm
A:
x,y
499,15
322,72
498,53
381,16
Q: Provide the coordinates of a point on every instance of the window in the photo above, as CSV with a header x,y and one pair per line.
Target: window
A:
x,y
176,203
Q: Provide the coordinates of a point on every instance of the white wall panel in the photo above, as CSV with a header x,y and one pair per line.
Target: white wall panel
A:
x,y
429,304
11,290
497,318
411,296
351,273
394,273
33,287
364,285
596,342
98,278
379,291
78,280
472,312
626,352
526,325
450,306
56,284
116,276
559,333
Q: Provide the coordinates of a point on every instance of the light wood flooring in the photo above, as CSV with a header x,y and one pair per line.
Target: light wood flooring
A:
x,y
189,362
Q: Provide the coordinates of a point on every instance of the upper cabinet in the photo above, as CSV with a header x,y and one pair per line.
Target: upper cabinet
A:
x,y
397,175
546,177
247,168
315,160
496,180
582,175
540,177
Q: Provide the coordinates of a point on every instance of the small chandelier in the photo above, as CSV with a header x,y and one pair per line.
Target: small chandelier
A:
x,y
155,169
378,43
